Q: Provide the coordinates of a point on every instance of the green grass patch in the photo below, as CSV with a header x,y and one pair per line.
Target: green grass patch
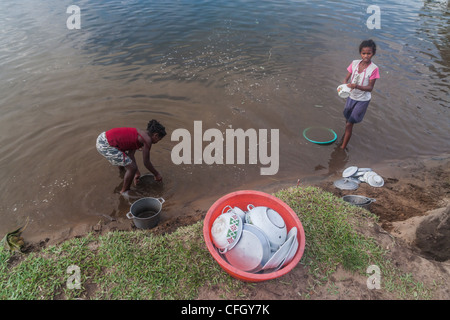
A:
x,y
331,238
118,265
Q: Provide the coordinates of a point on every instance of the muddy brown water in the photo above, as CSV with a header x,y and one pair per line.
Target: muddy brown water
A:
x,y
251,65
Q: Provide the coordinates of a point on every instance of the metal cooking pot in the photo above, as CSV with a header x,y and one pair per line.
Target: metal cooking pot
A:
x,y
359,201
145,212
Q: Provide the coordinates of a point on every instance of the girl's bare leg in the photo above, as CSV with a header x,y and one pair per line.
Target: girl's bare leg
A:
x,y
347,134
128,177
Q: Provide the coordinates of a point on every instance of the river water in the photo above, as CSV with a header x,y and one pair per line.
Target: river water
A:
x,y
259,65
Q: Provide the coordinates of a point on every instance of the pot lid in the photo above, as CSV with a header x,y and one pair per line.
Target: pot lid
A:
x,y
346,184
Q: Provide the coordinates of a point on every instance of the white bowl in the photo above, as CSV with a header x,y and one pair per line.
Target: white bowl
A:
x,y
226,231
251,252
256,213
239,212
270,222
236,210
343,91
275,218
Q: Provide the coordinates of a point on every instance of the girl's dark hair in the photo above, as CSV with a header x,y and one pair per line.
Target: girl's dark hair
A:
x,y
156,127
368,43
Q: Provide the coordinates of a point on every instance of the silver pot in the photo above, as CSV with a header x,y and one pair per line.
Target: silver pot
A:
x,y
359,201
145,212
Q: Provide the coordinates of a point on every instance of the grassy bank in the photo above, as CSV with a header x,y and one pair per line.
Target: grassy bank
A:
x,y
140,265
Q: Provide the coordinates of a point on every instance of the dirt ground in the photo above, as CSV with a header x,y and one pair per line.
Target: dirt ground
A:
x,y
413,191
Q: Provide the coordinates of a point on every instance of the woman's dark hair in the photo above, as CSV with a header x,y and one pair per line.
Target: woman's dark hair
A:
x,y
368,43
156,127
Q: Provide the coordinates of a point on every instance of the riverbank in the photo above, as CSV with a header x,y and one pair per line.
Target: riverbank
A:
x,y
412,188
414,191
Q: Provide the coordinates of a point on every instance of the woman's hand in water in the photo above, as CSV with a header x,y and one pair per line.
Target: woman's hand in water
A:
x,y
158,177
136,177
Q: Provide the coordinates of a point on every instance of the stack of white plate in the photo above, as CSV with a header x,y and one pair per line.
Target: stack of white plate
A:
x,y
353,175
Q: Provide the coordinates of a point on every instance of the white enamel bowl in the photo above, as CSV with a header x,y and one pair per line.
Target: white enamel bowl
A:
x,y
226,231
270,222
343,91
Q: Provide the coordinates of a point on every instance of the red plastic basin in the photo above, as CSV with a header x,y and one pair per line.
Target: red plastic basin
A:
x,y
241,199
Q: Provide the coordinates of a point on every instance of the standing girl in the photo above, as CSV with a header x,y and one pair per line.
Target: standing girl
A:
x,y
362,75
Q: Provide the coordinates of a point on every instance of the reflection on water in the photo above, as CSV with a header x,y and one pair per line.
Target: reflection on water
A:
x,y
338,160
230,64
